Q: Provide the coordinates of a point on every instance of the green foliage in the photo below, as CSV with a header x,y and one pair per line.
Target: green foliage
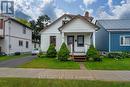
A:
x,y
92,53
63,54
119,55
51,52
23,21
41,55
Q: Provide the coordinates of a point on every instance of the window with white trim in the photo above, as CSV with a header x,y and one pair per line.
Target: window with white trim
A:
x,y
125,40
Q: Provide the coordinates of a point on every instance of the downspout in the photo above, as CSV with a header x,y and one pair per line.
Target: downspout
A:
x,y
109,41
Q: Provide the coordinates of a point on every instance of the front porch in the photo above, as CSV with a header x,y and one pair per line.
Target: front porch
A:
x,y
78,57
78,43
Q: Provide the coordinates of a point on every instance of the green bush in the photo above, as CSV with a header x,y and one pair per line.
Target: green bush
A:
x,y
63,53
119,55
51,52
92,53
41,55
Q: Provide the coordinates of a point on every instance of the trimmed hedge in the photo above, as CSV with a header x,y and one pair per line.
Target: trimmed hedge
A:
x,y
51,52
63,53
93,54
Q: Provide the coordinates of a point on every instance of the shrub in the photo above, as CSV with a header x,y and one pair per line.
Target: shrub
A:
x,y
17,53
51,52
41,55
63,53
119,55
92,53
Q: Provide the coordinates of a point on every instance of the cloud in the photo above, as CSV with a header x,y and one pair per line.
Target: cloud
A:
x,y
59,12
88,2
117,12
110,3
33,8
70,1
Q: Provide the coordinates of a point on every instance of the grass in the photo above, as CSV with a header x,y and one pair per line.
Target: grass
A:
x,y
51,63
24,82
109,64
2,58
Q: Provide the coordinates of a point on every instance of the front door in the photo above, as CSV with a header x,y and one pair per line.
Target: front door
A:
x,y
70,40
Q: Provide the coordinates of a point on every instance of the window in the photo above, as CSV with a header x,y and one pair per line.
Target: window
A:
x,y
24,30
53,40
80,40
125,40
20,43
26,44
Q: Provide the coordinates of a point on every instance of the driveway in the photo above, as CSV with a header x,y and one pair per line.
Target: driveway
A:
x,y
16,62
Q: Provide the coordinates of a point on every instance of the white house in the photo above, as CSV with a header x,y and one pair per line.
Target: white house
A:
x,y
14,36
78,32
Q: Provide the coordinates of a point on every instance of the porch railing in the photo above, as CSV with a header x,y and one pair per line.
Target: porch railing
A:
x,y
86,47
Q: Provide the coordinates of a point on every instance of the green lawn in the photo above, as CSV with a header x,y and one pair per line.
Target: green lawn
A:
x,y
51,63
109,64
2,58
20,82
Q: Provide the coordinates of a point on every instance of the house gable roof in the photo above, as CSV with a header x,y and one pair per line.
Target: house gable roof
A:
x,y
19,22
70,16
15,20
115,24
76,17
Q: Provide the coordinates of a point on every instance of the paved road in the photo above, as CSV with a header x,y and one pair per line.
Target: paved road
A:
x,y
16,62
66,74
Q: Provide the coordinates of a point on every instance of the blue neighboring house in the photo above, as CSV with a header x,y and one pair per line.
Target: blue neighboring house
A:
x,y
113,35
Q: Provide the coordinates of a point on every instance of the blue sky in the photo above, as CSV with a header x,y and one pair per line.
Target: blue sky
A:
x,y
99,9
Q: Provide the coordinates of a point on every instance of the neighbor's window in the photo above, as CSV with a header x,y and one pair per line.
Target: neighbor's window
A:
x,y
24,30
53,40
125,40
80,40
26,44
20,43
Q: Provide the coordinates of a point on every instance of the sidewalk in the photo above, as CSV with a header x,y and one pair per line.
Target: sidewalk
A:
x,y
66,74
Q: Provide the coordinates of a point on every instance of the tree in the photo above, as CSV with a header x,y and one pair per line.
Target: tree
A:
x,y
42,22
63,54
37,26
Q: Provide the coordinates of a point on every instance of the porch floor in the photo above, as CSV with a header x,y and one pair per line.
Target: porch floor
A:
x,y
79,54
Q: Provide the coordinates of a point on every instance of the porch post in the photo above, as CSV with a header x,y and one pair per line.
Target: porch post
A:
x,y
62,37
94,38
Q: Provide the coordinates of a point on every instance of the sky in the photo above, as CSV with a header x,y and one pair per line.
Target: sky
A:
x,y
99,9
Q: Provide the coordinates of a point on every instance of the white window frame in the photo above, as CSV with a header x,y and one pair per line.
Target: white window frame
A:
x,y
124,40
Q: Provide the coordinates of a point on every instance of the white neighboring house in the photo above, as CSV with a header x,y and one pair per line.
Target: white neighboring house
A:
x,y
14,36
78,32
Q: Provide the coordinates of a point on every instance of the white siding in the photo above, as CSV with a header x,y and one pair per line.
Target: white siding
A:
x,y
16,34
45,41
51,31
78,26
54,27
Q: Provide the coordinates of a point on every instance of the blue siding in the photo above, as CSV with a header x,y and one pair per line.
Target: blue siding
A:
x,y
115,42
102,39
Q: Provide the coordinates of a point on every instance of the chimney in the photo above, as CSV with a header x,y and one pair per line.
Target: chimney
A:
x,y
87,14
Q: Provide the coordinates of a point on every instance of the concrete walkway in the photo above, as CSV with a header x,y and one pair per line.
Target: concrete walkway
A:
x,y
66,74
16,62
82,67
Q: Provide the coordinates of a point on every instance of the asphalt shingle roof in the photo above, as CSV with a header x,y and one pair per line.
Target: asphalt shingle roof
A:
x,y
115,24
